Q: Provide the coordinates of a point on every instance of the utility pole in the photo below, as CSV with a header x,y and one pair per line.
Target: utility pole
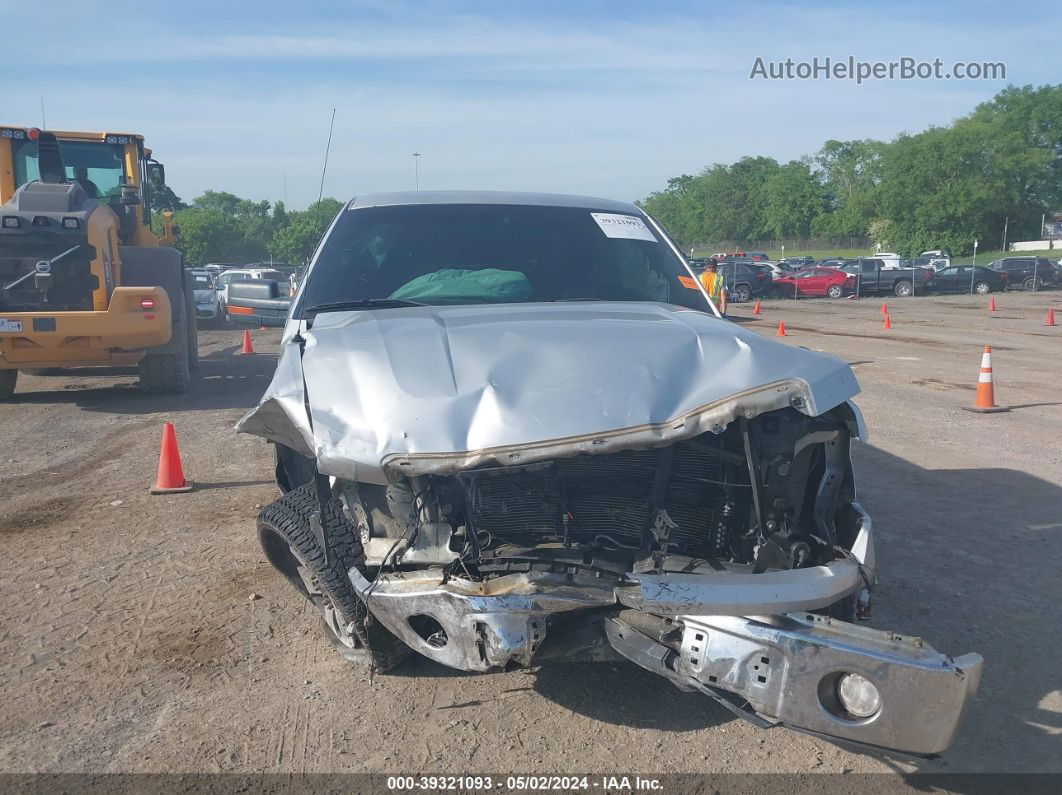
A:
x,y
416,169
1006,224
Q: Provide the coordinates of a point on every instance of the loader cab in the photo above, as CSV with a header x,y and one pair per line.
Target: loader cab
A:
x,y
115,169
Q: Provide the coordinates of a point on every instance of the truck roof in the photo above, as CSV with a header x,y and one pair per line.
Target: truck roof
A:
x,y
69,134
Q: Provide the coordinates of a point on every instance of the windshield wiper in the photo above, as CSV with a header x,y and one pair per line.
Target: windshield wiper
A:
x,y
364,303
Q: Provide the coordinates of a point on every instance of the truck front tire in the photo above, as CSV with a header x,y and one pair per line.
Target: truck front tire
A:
x,y
291,546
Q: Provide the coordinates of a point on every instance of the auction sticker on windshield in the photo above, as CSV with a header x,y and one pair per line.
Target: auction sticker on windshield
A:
x,y
10,325
629,227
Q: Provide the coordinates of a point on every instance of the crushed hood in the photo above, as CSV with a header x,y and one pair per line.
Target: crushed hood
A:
x,y
439,389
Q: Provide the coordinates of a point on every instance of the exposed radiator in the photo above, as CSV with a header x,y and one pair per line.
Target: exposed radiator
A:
x,y
601,494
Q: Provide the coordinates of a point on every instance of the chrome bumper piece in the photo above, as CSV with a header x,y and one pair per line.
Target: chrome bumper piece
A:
x,y
477,626
785,670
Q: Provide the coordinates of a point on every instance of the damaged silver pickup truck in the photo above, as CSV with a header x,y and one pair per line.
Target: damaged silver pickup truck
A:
x,y
511,429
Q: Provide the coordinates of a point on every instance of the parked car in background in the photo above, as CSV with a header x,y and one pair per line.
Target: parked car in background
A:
x,y
1027,273
217,268
283,267
932,262
207,310
758,256
745,279
243,274
969,278
814,283
258,302
877,278
776,268
697,264
796,263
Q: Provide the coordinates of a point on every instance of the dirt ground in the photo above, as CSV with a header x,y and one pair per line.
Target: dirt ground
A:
x,y
147,633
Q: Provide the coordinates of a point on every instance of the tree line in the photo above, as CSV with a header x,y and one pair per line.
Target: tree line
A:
x,y
221,227
941,188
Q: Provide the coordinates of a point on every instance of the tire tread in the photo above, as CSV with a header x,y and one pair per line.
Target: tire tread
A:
x,y
289,518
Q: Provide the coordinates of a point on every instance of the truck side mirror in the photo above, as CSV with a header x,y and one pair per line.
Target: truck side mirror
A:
x,y
156,173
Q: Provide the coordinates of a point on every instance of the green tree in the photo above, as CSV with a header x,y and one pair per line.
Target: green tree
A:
x,y
163,198
943,187
850,172
295,242
208,235
794,199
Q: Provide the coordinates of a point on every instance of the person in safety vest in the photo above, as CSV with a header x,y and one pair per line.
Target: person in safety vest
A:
x,y
712,281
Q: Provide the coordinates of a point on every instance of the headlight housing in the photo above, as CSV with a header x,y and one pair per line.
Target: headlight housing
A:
x,y
858,696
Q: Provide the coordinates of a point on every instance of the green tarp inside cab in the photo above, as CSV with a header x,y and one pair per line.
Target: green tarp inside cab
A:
x,y
451,286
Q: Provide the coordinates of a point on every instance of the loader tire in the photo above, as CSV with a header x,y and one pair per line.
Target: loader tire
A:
x,y
192,324
164,373
8,378
292,548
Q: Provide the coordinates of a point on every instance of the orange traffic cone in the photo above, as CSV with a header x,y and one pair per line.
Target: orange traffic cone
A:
x,y
171,477
992,304
884,309
887,324
781,330
985,403
1050,319
756,307
247,346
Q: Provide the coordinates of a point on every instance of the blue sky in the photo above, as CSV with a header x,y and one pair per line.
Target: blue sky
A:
x,y
601,98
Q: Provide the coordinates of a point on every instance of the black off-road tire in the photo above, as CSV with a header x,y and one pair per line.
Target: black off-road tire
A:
x,y
164,373
192,325
8,379
193,345
289,542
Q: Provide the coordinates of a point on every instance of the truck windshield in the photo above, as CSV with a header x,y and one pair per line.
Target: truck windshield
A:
x,y
490,254
98,167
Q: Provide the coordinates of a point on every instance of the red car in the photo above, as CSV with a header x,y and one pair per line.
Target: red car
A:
x,y
814,283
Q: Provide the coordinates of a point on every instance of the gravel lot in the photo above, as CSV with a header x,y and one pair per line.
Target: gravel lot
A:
x,y
143,633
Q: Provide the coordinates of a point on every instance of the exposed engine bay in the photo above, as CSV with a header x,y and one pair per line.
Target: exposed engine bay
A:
x,y
678,507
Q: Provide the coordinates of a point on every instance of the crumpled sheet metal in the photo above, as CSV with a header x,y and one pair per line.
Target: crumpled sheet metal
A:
x,y
436,390
485,624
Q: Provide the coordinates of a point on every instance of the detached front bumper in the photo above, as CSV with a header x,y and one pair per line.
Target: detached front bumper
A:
x,y
746,640
786,670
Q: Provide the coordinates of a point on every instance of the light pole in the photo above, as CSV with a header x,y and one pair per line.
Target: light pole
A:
x,y
973,268
416,169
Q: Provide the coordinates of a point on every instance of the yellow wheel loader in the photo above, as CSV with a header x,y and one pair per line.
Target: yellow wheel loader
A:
x,y
83,279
